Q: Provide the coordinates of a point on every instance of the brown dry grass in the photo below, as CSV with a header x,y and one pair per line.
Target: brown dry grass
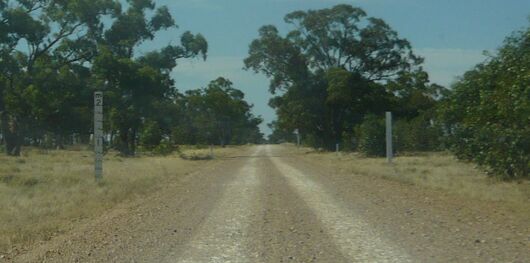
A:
x,y
44,191
439,171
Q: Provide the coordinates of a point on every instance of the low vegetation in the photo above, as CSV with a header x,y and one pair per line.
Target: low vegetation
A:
x,y
440,170
42,192
487,113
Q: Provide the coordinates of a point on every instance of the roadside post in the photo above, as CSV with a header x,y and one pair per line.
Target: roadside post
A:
x,y
211,151
297,132
98,135
389,152
337,148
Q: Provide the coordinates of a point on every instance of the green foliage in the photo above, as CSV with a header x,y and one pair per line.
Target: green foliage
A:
x,y
43,87
141,88
349,141
417,134
371,136
217,114
164,147
487,114
46,91
279,135
337,66
151,135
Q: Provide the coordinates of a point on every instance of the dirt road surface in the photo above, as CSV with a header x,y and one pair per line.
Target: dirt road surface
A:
x,y
270,205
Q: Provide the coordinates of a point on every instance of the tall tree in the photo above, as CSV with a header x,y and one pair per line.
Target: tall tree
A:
x,y
135,86
56,34
217,114
331,69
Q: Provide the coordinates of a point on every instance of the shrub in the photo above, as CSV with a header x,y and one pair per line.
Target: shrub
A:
x,y
349,142
487,113
371,136
418,134
151,135
164,148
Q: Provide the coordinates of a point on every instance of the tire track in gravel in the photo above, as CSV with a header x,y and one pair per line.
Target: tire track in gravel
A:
x,y
350,233
286,229
224,235
430,225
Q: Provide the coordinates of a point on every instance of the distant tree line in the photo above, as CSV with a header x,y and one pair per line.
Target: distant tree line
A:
x,y
55,54
217,114
335,74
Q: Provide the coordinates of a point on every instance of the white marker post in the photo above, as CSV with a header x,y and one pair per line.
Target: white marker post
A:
x,y
389,152
297,132
98,135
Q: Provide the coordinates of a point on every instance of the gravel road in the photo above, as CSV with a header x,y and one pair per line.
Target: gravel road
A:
x,y
266,205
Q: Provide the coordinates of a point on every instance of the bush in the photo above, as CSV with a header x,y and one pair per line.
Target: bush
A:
x,y
505,152
151,135
418,134
487,113
164,148
311,140
371,136
349,142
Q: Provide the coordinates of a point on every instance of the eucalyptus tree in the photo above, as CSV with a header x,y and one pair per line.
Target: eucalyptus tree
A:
x,y
331,69
217,114
134,85
40,39
231,114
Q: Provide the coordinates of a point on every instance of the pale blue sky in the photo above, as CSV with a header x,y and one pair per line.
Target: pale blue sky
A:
x,y
450,34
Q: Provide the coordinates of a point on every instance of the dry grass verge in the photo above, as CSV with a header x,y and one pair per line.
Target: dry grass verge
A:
x,y
194,152
433,170
44,191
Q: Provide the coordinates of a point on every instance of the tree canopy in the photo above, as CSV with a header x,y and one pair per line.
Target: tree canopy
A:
x,y
55,54
217,114
333,68
487,115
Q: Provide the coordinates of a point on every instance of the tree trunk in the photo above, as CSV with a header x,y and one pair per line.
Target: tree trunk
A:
x,y
132,139
123,144
11,134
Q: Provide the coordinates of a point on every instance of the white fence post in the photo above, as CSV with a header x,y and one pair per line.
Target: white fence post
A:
x,y
98,135
297,137
389,152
